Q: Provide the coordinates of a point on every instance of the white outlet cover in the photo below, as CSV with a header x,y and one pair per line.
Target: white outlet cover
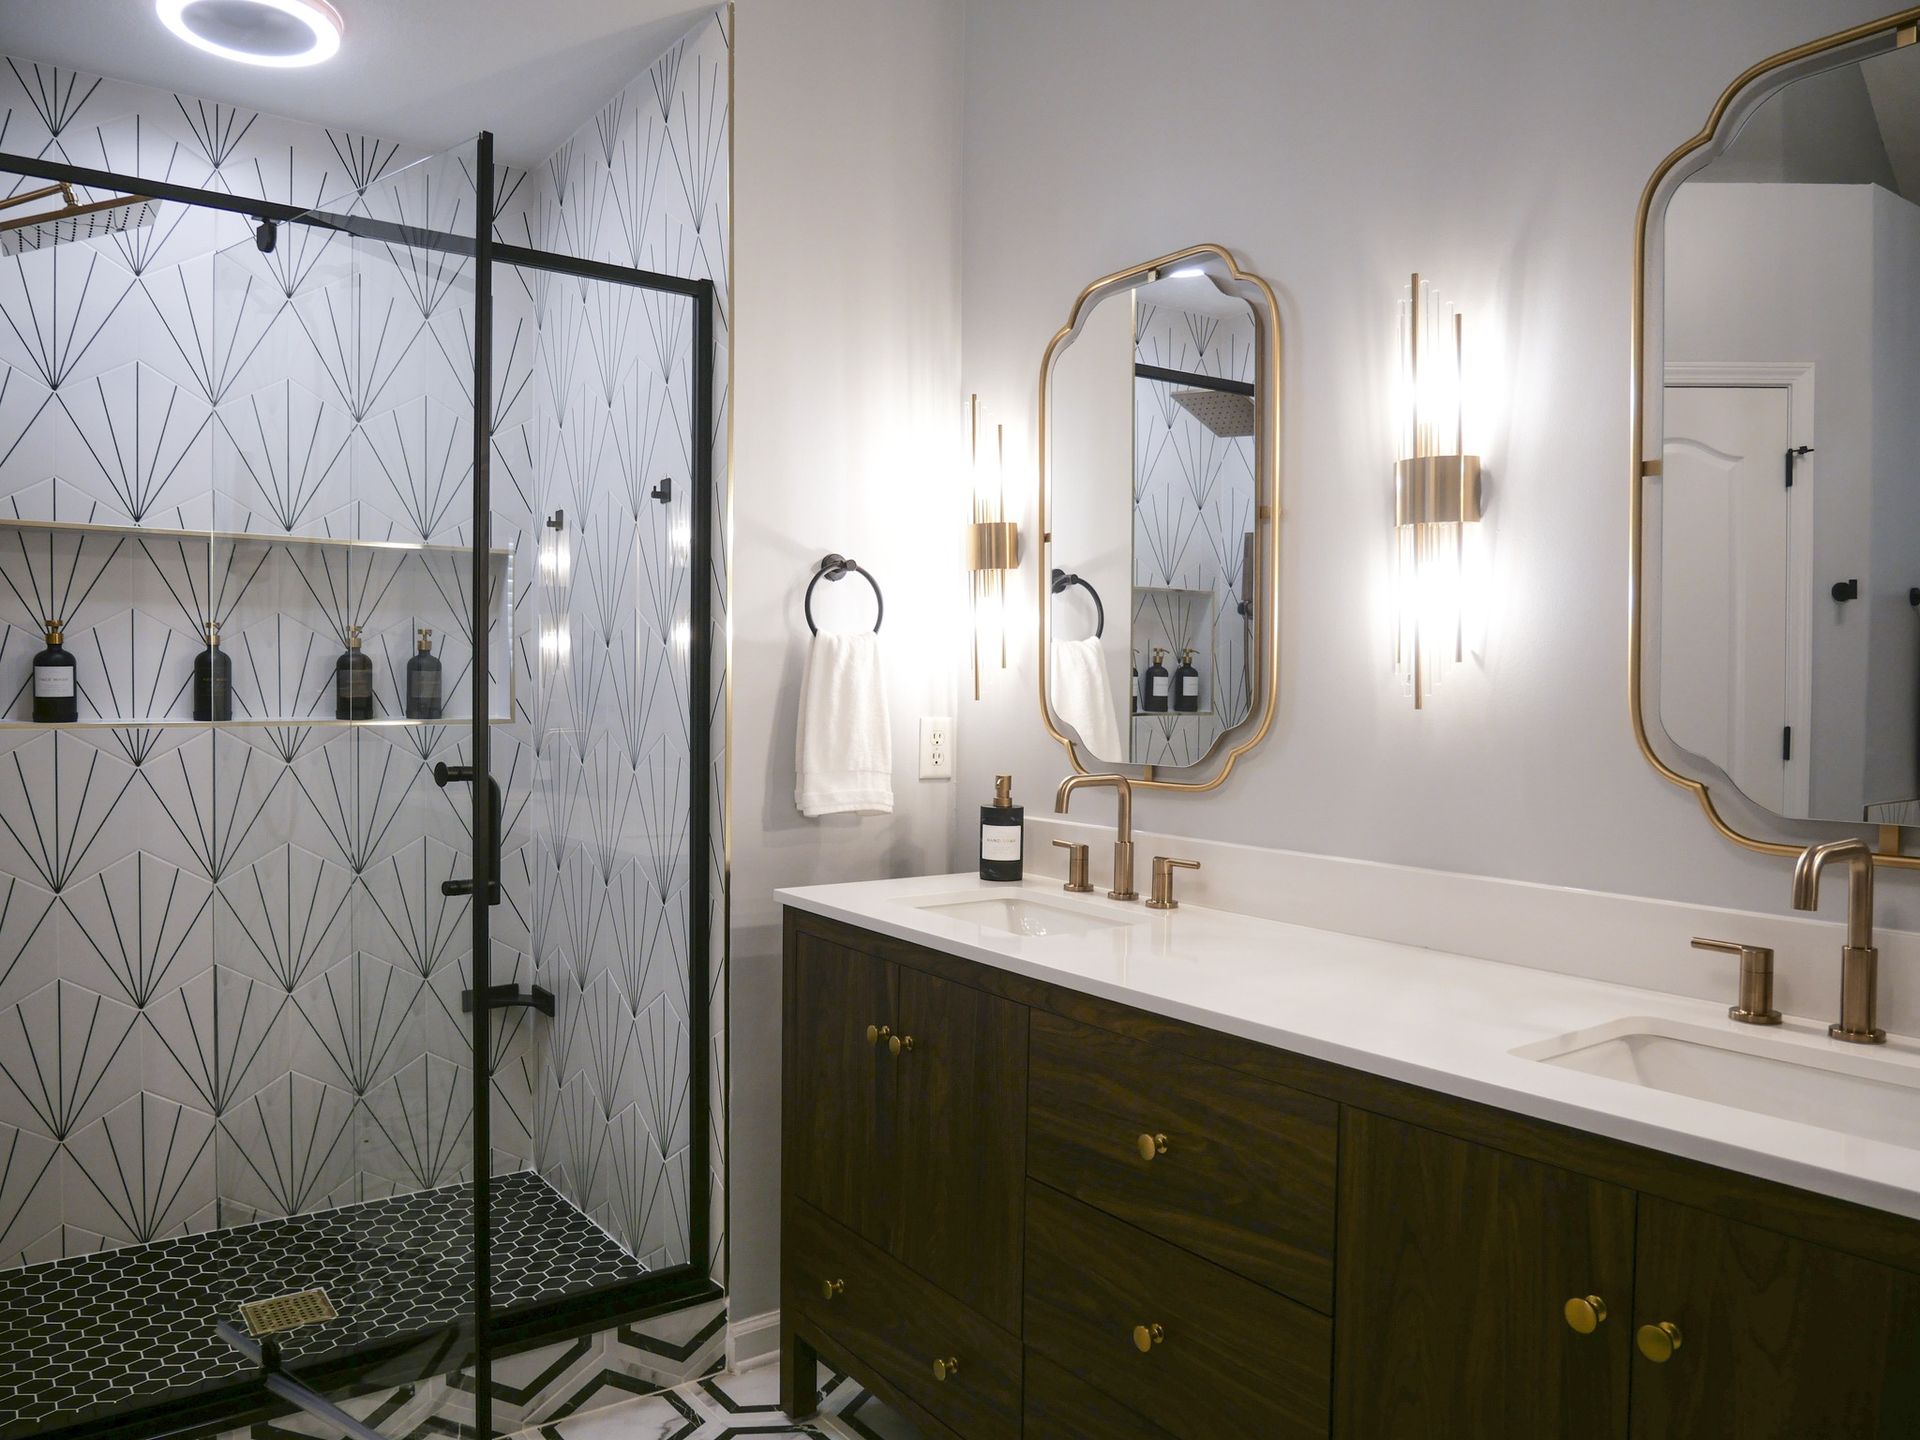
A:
x,y
936,747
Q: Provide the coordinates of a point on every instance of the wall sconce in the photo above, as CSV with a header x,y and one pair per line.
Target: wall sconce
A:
x,y
993,541
1436,492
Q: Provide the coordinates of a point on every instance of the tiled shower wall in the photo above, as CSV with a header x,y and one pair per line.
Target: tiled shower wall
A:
x,y
1193,505
229,986
643,184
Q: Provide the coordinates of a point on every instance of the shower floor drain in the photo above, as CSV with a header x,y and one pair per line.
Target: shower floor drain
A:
x,y
287,1312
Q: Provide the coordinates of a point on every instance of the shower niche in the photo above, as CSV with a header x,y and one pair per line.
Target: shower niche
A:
x,y
135,603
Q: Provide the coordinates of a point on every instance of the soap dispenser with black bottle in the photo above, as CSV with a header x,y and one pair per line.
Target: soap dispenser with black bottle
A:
x,y
423,680
1186,685
1157,688
1002,833
353,681
54,699
212,679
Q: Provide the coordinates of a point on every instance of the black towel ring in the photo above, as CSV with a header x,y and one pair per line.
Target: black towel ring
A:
x,y
1061,580
835,567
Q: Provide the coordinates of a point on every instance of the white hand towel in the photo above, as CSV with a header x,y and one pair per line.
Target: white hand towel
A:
x,y
843,746
1083,696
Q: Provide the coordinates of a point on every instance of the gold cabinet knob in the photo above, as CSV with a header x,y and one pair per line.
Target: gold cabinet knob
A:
x,y
876,1033
946,1367
1151,1145
1658,1342
1145,1337
900,1044
1585,1313
830,1289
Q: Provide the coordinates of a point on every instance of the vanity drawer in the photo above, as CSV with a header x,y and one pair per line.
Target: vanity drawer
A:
x,y
1246,1177
1061,1406
900,1325
1229,1358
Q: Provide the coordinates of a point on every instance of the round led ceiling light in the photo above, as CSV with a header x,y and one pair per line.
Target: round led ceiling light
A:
x,y
256,32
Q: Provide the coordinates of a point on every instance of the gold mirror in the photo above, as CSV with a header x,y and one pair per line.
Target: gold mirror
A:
x,y
1159,506
1775,668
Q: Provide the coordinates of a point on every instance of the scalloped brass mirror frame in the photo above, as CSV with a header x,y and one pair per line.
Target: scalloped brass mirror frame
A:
x,y
1735,103
1267,378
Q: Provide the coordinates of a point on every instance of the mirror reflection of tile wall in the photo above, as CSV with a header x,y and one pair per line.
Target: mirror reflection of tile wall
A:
x,y
1193,493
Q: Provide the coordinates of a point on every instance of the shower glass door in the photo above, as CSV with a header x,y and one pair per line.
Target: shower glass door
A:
x,y
347,562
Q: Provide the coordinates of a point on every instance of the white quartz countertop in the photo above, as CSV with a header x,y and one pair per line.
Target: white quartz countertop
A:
x,y
1448,1022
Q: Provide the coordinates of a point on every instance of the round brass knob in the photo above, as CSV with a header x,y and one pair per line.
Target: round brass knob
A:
x,y
877,1033
946,1368
1151,1145
899,1043
829,1289
1658,1342
1585,1313
1145,1337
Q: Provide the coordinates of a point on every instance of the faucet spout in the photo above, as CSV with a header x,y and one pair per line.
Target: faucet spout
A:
x,y
1859,961
1123,828
1858,859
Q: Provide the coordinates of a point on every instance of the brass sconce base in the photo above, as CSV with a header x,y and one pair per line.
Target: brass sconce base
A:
x,y
1436,490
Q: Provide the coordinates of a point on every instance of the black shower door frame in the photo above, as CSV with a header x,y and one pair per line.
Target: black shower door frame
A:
x,y
660,1291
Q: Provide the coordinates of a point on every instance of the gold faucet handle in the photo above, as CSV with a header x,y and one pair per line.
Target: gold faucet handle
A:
x,y
1078,880
1163,869
1756,980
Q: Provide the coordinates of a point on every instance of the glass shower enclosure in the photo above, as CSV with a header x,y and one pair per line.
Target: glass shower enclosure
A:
x,y
353,933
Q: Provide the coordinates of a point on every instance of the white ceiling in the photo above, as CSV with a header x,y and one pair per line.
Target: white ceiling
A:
x,y
428,72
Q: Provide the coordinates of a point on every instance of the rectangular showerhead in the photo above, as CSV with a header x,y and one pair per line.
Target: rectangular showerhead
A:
x,y
1224,412
72,221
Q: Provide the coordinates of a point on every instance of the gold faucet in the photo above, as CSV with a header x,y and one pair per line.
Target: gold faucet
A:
x,y
1859,961
1123,831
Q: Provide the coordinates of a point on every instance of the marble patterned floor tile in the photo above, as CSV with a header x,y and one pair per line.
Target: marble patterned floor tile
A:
x,y
732,1406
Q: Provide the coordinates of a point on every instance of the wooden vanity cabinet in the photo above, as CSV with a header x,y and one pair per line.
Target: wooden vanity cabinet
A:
x,y
1456,1261
904,1114
1779,1337
1044,1215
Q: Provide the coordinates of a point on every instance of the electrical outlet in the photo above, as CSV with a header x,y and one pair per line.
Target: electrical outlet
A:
x,y
936,747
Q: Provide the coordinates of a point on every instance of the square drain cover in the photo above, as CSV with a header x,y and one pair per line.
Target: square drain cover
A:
x,y
287,1312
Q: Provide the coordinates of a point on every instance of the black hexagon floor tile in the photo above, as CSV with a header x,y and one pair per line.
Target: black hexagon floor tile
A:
x,y
135,1326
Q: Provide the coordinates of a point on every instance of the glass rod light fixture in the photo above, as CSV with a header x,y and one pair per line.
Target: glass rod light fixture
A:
x,y
993,541
1436,492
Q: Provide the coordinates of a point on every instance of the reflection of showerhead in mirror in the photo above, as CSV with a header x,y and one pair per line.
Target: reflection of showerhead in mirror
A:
x,y
72,220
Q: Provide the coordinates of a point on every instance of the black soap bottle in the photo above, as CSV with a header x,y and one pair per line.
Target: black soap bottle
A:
x,y
1002,833
353,681
1157,688
212,679
423,681
54,699
1186,685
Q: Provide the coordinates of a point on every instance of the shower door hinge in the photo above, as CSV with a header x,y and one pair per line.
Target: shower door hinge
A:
x,y
1786,744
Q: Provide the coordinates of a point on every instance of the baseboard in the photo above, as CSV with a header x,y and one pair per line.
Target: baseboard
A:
x,y
753,1341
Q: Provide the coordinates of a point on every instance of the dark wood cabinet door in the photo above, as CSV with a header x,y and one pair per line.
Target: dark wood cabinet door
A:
x,y
838,1103
1454,1263
959,1141
1780,1339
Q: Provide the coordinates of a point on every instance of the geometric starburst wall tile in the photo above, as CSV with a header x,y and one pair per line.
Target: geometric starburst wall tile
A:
x,y
140,928
148,1166
65,1054
286,916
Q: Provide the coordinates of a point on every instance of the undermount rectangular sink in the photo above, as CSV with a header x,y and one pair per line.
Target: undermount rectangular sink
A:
x,y
1873,1095
1018,915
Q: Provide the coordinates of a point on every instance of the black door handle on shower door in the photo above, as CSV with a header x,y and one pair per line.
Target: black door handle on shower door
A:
x,y
444,775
